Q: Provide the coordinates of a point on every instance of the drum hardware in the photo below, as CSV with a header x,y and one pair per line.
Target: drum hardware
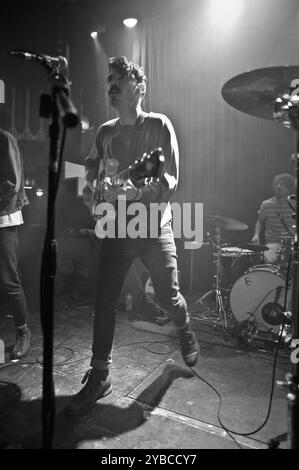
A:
x,y
279,252
268,267
254,247
148,303
286,330
256,92
235,252
260,294
249,334
273,254
224,223
273,93
218,314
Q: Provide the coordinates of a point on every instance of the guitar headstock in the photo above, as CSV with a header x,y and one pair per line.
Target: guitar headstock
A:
x,y
150,165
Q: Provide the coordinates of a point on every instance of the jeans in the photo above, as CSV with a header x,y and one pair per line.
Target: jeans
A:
x,y
116,256
11,290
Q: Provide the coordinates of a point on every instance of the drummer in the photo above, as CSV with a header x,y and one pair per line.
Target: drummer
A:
x,y
275,224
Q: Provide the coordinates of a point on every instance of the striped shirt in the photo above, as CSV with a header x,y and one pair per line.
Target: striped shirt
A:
x,y
275,216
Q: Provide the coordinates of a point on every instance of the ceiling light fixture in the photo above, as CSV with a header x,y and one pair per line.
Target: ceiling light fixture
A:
x,y
130,22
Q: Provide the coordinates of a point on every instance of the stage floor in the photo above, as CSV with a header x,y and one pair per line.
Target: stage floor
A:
x,y
157,402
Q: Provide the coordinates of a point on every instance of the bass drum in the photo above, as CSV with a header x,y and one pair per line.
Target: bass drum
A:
x,y
258,295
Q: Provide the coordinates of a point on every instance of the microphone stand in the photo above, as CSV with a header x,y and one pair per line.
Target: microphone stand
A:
x,y
286,111
293,377
291,112
61,111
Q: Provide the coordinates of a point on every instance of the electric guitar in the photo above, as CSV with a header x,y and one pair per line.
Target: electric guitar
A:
x,y
148,168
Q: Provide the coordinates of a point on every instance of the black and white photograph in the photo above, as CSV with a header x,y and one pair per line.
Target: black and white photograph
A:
x,y
149,165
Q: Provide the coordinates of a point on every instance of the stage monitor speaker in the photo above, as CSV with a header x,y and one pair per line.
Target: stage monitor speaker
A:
x,y
196,268
77,261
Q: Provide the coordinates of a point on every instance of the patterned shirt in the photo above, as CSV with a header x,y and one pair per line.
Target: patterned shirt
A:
x,y
117,146
275,216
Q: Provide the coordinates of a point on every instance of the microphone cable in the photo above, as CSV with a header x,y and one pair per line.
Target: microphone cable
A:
x,y
230,431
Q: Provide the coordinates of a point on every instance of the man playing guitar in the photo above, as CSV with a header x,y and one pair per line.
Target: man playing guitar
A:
x,y
120,142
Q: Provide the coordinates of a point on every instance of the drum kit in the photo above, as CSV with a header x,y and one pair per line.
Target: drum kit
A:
x,y
259,302
253,303
265,298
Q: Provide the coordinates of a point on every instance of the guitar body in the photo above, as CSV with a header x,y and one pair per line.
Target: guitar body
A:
x,y
148,168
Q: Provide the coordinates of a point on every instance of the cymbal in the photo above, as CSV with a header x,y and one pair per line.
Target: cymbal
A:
x,y
254,246
225,223
255,92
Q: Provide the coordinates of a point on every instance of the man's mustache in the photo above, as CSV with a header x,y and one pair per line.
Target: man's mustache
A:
x,y
113,90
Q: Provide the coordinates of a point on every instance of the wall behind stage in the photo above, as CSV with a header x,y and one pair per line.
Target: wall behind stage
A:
x,y
228,158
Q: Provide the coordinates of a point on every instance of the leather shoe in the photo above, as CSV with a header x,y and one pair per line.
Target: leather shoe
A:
x,y
22,343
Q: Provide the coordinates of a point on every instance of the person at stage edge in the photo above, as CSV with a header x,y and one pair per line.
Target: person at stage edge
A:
x,y
120,142
12,200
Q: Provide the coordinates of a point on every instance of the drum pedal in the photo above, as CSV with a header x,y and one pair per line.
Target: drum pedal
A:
x,y
249,334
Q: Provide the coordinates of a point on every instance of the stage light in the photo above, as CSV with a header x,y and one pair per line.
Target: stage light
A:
x,y
225,13
101,29
29,183
39,192
130,22
84,123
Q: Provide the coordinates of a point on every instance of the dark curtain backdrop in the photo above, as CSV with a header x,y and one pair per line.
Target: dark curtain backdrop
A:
x,y
189,50
228,158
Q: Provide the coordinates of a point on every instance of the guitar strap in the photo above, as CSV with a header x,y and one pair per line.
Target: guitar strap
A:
x,y
137,134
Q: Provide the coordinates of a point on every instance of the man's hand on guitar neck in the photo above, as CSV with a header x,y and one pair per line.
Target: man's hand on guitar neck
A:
x,y
127,189
87,192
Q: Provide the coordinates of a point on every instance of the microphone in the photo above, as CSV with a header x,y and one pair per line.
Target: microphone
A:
x,y
59,62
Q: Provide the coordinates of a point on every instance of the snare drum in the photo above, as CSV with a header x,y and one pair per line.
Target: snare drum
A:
x,y
272,255
279,253
234,252
259,295
235,262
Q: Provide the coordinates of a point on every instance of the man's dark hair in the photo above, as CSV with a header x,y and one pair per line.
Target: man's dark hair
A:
x,y
127,68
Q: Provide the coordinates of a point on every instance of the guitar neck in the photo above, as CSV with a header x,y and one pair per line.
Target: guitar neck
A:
x,y
148,166
121,176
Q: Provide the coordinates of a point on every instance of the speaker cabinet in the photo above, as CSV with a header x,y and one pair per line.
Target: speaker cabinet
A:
x,y
196,268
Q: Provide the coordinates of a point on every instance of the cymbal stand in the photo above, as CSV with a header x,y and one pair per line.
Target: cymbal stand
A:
x,y
219,307
293,377
219,304
291,112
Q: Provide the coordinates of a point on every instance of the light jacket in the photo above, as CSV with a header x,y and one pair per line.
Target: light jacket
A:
x,y
12,193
